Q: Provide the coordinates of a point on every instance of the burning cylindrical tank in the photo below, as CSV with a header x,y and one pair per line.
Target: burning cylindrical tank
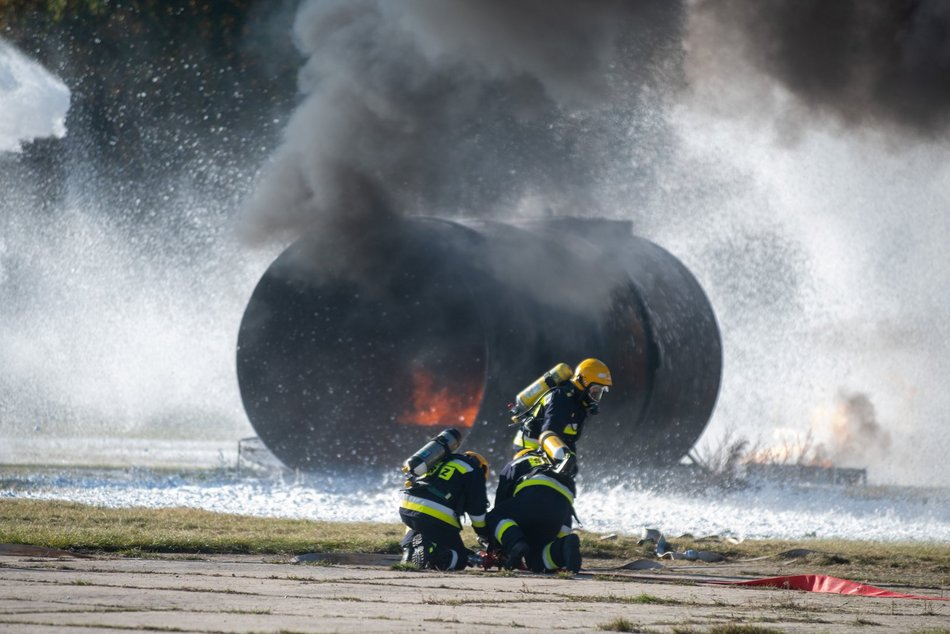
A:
x,y
355,351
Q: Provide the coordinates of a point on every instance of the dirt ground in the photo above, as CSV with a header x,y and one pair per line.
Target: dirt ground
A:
x,y
364,594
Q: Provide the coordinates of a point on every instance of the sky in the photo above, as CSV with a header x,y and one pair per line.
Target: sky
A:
x,y
35,101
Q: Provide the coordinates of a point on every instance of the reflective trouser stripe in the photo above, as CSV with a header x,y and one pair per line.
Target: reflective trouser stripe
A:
x,y
543,480
455,560
478,521
433,509
565,531
503,525
546,556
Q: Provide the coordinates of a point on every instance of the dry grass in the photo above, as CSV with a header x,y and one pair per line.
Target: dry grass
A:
x,y
72,526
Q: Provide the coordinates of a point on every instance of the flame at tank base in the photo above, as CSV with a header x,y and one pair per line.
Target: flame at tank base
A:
x,y
356,352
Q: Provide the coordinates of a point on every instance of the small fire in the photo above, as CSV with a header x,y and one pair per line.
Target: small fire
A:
x,y
851,429
435,406
793,450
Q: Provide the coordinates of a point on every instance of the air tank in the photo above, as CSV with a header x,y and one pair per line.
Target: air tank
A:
x,y
355,350
529,396
444,443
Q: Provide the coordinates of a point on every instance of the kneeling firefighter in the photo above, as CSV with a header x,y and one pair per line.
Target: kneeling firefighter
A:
x,y
532,517
441,487
552,410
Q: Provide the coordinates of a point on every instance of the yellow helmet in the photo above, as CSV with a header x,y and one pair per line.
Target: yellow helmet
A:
x,y
591,371
481,461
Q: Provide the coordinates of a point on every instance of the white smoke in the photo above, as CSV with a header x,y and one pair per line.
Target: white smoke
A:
x,y
110,330
33,102
115,320
870,285
821,243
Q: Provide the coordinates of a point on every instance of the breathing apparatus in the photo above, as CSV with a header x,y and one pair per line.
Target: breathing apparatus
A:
x,y
529,396
419,463
564,460
555,448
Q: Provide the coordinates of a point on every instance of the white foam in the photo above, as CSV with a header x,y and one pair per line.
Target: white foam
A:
x,y
97,451
774,512
865,513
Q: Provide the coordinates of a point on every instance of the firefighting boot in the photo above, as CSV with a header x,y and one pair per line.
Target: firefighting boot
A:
x,y
429,554
564,553
406,545
516,554
571,553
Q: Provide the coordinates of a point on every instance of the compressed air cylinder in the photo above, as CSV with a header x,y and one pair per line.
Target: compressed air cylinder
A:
x,y
527,398
432,452
553,446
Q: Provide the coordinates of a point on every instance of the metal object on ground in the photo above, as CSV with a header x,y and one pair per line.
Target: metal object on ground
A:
x,y
254,455
351,351
807,474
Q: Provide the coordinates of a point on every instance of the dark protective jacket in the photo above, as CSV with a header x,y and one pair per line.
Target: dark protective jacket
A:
x,y
530,469
450,489
562,411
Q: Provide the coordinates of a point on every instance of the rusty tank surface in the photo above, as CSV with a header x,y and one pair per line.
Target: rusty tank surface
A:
x,y
355,351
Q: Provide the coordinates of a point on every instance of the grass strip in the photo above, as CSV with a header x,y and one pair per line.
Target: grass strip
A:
x,y
72,526
78,527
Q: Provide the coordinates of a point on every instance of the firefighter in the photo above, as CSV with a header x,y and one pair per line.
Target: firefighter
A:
x,y
556,422
432,506
532,517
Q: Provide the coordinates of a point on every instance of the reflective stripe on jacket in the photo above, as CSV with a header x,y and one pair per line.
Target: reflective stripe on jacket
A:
x,y
543,480
433,509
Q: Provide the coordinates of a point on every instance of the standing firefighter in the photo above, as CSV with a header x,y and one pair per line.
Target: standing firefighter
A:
x,y
555,421
533,512
442,486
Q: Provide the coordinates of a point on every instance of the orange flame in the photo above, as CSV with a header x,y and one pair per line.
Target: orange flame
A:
x,y
797,453
440,406
793,449
851,431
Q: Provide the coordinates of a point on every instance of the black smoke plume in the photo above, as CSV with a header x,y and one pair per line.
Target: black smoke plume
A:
x,y
880,64
459,107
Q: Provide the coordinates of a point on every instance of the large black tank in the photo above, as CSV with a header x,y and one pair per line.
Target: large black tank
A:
x,y
356,351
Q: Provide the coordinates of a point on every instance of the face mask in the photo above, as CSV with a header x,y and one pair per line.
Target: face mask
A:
x,y
596,392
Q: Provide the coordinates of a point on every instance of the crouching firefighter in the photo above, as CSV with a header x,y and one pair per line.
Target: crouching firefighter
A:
x,y
534,508
441,487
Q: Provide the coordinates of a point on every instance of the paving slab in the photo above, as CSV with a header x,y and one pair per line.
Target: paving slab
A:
x,y
254,594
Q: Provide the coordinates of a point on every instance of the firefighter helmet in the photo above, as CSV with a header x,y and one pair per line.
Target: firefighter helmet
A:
x,y
591,371
481,462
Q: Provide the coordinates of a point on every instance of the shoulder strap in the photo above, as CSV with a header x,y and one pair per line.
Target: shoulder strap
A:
x,y
424,485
